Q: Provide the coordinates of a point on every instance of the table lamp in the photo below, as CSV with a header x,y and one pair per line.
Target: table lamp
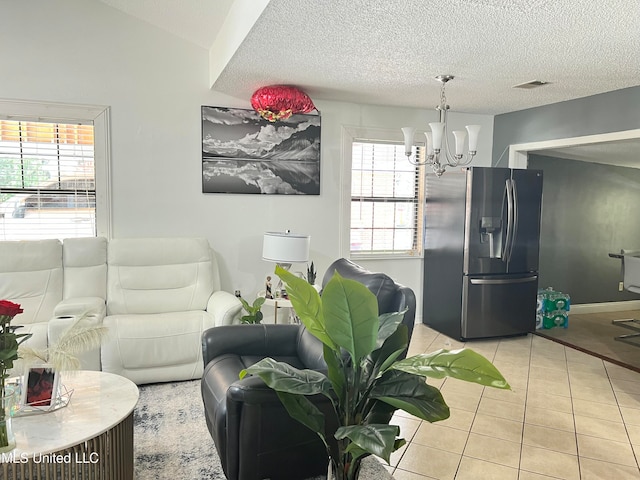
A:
x,y
285,248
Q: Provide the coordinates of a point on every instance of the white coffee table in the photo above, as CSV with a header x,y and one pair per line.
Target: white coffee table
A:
x,y
92,437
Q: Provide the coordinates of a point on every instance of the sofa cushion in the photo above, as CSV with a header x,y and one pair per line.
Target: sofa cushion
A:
x,y
31,275
147,348
158,275
85,267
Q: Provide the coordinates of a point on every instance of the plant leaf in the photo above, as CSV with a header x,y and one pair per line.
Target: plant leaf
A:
x,y
301,409
307,305
351,316
335,372
378,439
412,394
391,349
245,304
284,378
463,364
388,325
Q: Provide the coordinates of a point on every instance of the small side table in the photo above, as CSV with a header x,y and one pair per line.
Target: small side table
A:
x,y
278,303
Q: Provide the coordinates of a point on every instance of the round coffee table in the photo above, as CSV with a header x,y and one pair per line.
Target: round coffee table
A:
x,y
92,437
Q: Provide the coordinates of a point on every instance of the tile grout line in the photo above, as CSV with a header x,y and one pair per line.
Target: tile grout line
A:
x,y
615,394
573,413
526,401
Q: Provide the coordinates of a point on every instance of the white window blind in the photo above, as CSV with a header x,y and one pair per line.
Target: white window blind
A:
x,y
47,180
386,206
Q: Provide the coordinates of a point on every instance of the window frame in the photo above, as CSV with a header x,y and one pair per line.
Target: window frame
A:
x,y
373,135
99,116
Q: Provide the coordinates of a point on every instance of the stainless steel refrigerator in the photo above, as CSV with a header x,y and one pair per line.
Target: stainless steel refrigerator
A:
x,y
482,229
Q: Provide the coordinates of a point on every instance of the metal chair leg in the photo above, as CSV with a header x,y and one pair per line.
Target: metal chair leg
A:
x,y
631,324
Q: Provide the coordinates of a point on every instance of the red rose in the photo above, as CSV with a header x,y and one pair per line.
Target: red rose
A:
x,y
9,309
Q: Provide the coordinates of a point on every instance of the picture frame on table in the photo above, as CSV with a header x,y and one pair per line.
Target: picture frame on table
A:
x,y
40,387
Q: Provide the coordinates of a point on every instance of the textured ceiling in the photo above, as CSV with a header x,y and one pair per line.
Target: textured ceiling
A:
x,y
387,52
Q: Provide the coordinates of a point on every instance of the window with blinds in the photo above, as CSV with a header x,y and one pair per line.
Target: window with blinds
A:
x,y
47,180
386,207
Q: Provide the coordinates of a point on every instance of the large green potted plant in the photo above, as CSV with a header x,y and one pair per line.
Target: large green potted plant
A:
x,y
365,380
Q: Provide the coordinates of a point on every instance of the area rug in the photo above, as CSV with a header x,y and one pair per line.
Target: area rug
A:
x,y
171,440
594,333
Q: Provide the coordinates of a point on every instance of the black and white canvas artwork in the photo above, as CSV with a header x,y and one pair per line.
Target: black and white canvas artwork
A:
x,y
244,153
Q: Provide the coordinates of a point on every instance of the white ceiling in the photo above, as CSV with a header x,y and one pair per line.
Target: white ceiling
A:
x,y
197,21
388,52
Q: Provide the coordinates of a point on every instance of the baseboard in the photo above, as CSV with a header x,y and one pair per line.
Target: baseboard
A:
x,y
605,307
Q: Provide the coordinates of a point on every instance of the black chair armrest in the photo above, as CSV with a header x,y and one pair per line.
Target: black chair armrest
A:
x,y
252,390
250,340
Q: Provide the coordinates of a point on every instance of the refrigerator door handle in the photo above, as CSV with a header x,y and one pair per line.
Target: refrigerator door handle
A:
x,y
514,230
502,281
509,234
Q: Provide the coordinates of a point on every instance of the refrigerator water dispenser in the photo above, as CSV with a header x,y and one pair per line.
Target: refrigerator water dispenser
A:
x,y
491,234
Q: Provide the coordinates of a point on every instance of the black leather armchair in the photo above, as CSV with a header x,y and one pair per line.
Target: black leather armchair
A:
x,y
253,433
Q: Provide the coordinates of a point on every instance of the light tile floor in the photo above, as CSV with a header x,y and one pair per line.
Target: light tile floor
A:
x,y
569,415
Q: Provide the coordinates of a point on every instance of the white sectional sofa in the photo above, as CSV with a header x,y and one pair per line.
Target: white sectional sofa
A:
x,y
155,295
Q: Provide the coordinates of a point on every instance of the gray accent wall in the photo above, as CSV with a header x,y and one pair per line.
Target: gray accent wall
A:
x,y
604,113
588,211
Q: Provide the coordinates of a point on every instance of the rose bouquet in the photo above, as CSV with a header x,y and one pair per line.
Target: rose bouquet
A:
x,y
9,343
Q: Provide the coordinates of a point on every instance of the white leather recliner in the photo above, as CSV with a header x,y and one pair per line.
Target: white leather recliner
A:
x,y
41,276
162,294
31,275
155,295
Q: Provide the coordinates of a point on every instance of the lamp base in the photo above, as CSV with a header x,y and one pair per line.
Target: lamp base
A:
x,y
280,291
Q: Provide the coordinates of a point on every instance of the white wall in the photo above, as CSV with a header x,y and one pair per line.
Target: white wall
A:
x,y
77,51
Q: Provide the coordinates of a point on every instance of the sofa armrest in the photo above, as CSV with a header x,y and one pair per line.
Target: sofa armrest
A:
x,y
225,308
250,340
89,306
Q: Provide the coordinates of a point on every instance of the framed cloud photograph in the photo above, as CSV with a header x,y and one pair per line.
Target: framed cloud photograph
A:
x,y
244,153
40,387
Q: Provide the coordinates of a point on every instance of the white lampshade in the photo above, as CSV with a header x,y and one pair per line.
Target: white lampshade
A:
x,y
437,128
285,247
460,136
408,133
473,137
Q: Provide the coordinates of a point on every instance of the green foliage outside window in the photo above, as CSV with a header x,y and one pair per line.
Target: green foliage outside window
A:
x,y
21,173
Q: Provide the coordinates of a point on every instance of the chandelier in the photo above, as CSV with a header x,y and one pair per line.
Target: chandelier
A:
x,y
437,155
